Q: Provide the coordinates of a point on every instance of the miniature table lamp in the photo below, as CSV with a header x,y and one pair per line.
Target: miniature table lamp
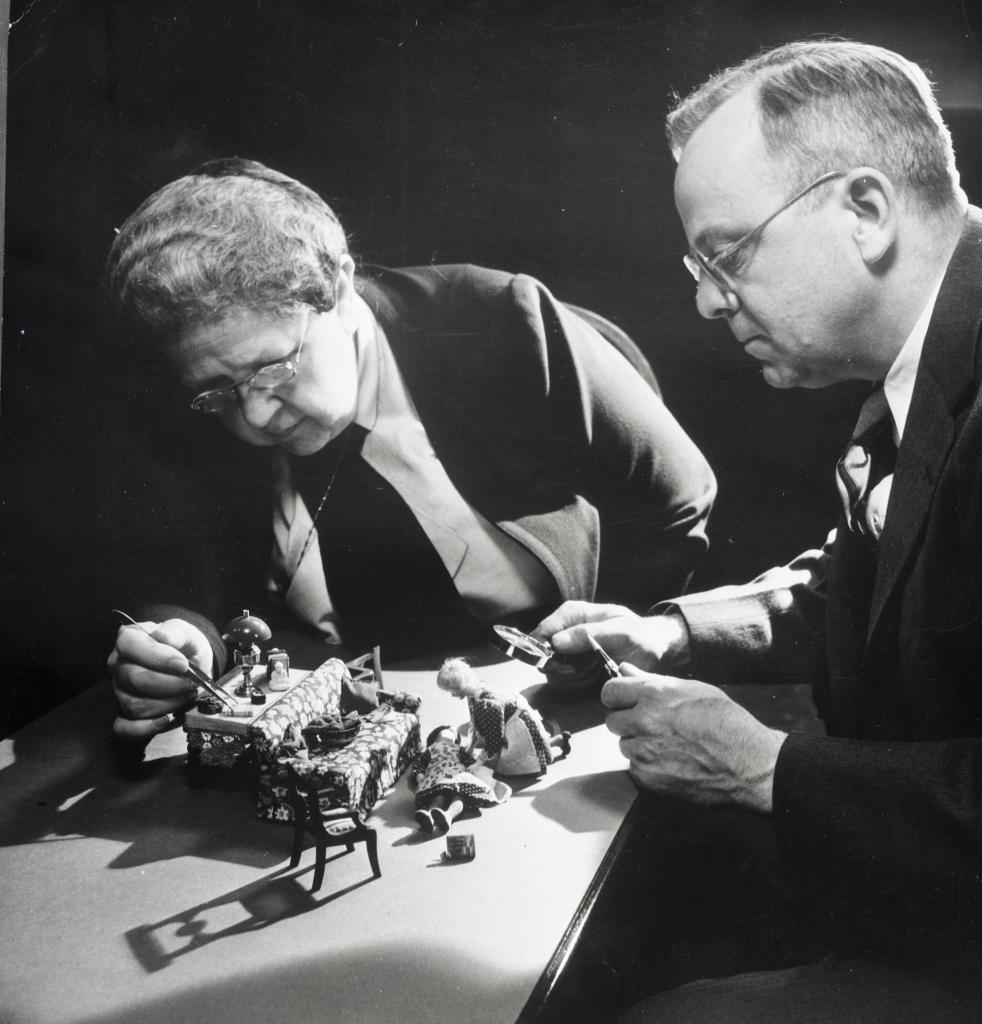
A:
x,y
243,635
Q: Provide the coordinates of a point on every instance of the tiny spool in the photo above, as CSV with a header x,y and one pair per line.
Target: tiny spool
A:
x,y
460,847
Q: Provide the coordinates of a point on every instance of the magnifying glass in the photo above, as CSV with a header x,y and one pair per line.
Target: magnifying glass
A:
x,y
522,647
589,667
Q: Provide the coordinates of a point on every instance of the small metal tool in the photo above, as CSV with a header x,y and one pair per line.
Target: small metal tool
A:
x,y
609,664
193,671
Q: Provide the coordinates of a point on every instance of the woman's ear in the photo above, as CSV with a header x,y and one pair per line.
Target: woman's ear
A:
x,y
872,199
345,294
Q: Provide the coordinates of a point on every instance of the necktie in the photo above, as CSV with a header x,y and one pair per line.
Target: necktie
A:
x,y
384,577
865,471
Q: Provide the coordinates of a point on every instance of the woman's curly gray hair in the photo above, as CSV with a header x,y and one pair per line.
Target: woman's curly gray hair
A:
x,y
231,235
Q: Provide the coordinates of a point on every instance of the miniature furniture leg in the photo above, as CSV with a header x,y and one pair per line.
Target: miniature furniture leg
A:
x,y
336,827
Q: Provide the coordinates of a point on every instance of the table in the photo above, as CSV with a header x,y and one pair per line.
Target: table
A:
x,y
143,899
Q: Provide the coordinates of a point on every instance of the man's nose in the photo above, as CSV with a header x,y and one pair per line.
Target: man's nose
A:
x,y
713,301
258,406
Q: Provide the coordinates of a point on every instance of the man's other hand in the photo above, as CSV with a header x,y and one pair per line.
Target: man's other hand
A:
x,y
688,739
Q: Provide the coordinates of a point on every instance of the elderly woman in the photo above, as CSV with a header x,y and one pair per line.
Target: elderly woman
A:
x,y
441,447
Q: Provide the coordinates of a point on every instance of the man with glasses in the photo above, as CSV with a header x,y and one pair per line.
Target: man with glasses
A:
x,y
817,188
427,452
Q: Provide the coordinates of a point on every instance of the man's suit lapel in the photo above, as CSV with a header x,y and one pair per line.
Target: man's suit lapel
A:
x,y
945,380
927,441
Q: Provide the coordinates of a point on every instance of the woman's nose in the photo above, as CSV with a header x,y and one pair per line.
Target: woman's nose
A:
x,y
258,405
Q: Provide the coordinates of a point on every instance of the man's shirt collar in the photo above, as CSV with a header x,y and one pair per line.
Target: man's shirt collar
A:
x,y
898,387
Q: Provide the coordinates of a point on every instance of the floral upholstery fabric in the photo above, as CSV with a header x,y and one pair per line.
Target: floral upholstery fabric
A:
x,y
318,693
211,749
355,776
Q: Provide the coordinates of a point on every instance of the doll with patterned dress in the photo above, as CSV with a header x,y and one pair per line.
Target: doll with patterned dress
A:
x,y
512,734
449,779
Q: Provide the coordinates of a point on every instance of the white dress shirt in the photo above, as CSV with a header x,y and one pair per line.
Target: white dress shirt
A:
x,y
899,383
898,389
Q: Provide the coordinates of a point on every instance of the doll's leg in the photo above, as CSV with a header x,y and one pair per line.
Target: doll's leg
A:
x,y
561,740
423,818
445,809
557,738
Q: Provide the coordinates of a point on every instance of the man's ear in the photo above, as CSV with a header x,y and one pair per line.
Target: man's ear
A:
x,y
345,294
872,199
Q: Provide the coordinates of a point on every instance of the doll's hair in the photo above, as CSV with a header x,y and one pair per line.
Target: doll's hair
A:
x,y
434,735
454,673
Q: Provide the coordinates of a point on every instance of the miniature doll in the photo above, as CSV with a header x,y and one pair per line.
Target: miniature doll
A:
x,y
515,739
449,779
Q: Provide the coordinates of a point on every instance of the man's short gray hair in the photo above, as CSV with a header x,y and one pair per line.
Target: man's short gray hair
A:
x,y
828,105
232,235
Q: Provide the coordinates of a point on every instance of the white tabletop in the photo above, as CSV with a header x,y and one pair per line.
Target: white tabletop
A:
x,y
144,900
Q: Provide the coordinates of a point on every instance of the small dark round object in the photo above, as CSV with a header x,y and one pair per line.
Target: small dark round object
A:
x,y
246,629
257,697
209,705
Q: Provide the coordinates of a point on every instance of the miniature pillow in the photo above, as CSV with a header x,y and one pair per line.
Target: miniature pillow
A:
x,y
360,695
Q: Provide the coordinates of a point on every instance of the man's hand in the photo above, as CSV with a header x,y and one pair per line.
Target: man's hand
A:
x,y
658,641
149,675
688,739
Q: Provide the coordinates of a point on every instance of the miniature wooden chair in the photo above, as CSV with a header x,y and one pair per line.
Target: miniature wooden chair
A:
x,y
337,826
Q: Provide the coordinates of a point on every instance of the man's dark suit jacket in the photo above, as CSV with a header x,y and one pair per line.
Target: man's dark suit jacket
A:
x,y
542,423
882,819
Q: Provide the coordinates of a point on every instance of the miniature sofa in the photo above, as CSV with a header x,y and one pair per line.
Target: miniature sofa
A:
x,y
354,777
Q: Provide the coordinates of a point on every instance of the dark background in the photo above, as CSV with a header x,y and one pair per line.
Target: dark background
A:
x,y
513,134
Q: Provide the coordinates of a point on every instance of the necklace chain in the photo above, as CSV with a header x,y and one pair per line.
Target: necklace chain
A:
x,y
320,505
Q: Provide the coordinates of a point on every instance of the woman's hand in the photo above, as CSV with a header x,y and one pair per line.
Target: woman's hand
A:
x,y
149,675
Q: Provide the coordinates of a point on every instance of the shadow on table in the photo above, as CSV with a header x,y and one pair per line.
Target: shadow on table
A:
x,y
577,803
251,908
575,712
410,984
65,782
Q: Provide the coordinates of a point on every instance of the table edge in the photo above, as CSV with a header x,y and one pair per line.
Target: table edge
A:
x,y
537,1004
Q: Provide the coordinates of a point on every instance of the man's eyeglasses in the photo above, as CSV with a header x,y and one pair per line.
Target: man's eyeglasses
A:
x,y
723,267
266,378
